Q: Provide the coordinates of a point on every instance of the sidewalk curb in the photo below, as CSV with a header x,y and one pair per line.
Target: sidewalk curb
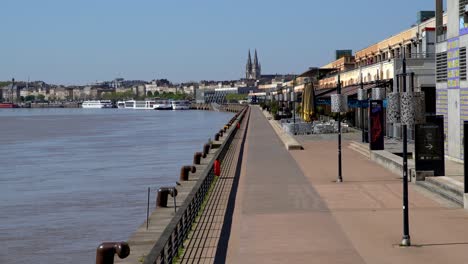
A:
x,y
289,142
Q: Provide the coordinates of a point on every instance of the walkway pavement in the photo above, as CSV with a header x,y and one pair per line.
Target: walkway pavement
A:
x,y
288,209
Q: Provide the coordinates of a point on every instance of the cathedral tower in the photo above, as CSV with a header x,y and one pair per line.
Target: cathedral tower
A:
x,y
253,71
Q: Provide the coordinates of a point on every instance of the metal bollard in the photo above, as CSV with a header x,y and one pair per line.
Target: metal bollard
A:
x,y
197,158
206,149
184,172
216,137
221,133
225,128
106,251
163,194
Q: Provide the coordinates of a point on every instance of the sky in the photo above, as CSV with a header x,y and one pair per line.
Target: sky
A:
x,y
83,41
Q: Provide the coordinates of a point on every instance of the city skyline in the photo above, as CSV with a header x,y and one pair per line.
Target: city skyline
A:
x,y
79,43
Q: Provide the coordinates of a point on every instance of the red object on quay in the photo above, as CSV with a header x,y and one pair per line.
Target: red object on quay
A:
x,y
238,125
217,168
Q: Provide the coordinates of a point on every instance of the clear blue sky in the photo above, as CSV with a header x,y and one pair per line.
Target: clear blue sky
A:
x,y
80,41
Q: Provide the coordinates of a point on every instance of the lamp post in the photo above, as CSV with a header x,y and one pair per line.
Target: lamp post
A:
x,y
339,104
293,99
340,174
406,241
406,108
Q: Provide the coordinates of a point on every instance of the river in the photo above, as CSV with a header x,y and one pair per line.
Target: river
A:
x,y
73,178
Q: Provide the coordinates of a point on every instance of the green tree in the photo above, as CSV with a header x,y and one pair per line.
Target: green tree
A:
x,y
149,94
236,97
40,97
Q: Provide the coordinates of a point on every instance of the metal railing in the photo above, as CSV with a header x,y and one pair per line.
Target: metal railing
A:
x,y
171,240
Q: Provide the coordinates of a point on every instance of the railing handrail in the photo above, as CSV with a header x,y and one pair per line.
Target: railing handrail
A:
x,y
166,236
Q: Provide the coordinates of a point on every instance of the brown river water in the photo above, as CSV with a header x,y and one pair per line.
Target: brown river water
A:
x,y
72,178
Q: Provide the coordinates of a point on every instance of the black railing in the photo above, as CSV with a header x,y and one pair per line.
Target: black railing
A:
x,y
171,240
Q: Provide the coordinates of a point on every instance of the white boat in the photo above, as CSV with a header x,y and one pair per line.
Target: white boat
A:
x,y
162,105
180,105
143,105
97,104
120,104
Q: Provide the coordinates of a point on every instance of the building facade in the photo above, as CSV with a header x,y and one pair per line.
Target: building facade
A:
x,y
451,73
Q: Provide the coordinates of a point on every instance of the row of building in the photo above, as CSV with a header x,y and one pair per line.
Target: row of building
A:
x,y
16,92
435,51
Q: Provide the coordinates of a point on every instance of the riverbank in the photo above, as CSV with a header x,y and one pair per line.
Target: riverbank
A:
x,y
193,106
166,229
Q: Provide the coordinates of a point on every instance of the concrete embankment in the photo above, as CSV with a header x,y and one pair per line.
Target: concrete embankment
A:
x,y
225,108
162,236
289,141
50,105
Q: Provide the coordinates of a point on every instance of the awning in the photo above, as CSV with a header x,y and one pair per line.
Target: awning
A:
x,y
348,90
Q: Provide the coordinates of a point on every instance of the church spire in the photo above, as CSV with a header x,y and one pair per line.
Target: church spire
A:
x,y
248,67
255,59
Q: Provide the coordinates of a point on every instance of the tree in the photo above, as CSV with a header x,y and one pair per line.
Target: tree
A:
x,y
40,97
149,94
235,97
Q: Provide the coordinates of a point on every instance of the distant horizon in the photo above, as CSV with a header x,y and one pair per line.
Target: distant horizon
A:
x,y
79,43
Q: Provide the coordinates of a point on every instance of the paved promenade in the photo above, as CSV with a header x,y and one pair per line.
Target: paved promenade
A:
x,y
288,209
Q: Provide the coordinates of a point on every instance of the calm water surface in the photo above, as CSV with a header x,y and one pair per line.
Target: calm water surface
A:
x,y
71,178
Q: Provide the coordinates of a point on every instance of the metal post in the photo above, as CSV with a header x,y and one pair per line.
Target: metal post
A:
x,y
406,241
293,99
147,209
465,157
294,114
364,135
340,176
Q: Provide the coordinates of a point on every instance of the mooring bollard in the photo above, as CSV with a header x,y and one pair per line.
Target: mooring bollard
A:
x,y
106,251
216,137
221,133
163,194
197,158
184,172
206,149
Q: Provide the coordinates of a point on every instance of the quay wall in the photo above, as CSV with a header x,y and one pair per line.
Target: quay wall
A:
x,y
160,237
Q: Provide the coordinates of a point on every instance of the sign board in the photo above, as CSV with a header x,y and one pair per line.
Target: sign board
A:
x,y
429,146
376,125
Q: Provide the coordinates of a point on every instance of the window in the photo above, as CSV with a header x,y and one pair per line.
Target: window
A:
x,y
463,63
461,7
441,67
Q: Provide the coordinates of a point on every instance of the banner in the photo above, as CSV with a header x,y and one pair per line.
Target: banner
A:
x,y
376,125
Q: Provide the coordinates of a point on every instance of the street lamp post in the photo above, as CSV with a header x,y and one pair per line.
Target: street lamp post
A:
x,y
340,174
293,99
405,107
406,241
339,104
